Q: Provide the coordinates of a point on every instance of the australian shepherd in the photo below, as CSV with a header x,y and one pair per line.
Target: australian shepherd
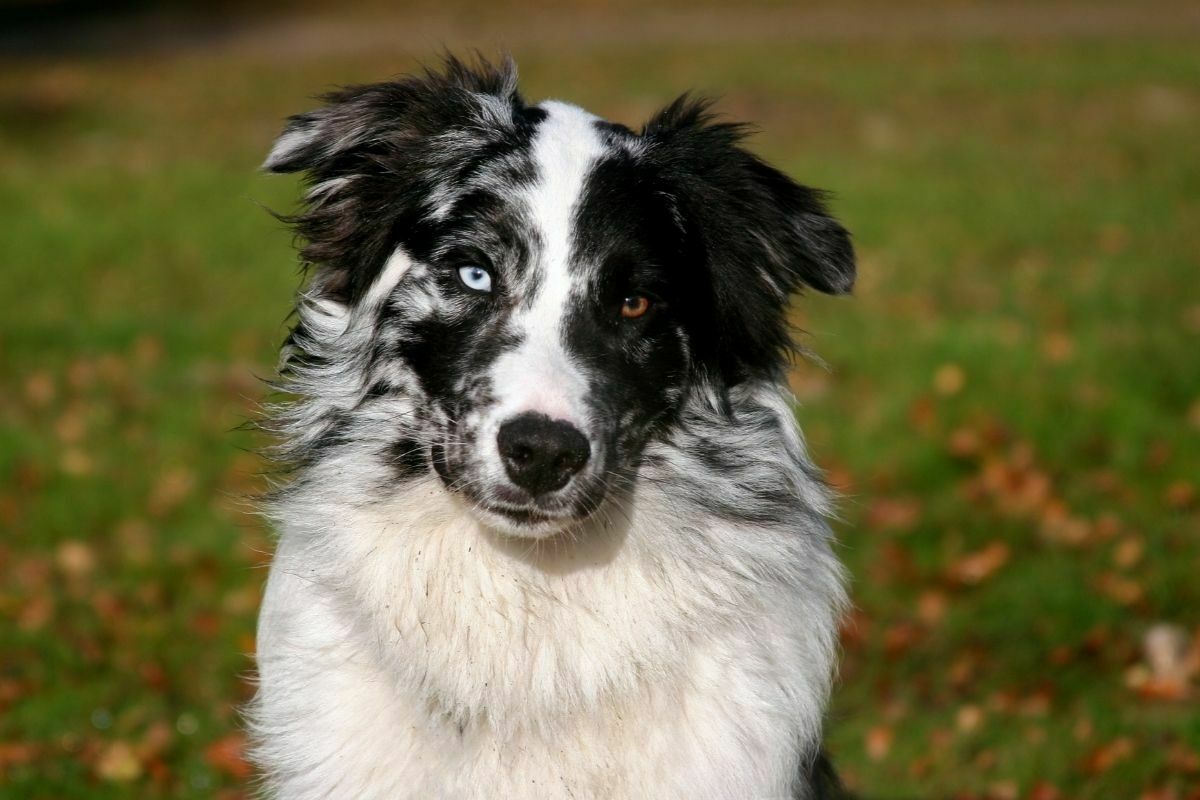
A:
x,y
551,530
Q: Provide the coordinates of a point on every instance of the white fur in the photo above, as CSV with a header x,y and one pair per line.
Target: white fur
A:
x,y
658,653
539,375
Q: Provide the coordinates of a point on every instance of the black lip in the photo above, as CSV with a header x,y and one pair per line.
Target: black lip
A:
x,y
525,516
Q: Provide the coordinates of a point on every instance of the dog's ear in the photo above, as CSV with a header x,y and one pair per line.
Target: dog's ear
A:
x,y
761,235
373,155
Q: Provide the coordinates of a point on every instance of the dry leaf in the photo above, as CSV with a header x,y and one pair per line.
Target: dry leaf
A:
x,y
75,558
965,443
1058,347
1180,495
171,490
1004,790
1103,758
949,379
980,565
968,718
118,763
1125,591
1171,662
1044,791
39,389
931,606
227,755
879,742
894,513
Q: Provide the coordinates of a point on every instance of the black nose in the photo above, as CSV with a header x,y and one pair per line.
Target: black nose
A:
x,y
541,454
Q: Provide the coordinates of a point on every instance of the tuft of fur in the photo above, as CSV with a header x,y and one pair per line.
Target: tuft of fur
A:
x,y
671,631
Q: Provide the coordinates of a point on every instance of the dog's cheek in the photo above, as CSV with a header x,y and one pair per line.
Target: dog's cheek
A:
x,y
637,391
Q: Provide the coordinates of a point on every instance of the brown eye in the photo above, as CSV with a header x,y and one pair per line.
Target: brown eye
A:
x,y
635,306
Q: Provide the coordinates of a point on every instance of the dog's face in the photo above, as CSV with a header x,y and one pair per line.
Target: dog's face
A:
x,y
545,288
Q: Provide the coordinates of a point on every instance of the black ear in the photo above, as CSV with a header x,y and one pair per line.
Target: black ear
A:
x,y
373,155
761,235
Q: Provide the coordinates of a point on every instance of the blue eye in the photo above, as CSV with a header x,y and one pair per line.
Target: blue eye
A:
x,y
475,278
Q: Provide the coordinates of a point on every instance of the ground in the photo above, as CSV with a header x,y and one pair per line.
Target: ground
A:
x,y
1010,403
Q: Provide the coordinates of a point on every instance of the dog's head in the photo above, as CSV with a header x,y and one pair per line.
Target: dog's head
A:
x,y
544,288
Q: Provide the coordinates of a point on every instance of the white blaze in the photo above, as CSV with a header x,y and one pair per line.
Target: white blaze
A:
x,y
539,375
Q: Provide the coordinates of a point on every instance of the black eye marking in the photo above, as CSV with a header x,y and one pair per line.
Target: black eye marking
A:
x,y
635,306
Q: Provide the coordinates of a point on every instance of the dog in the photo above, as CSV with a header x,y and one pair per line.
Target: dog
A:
x,y
551,530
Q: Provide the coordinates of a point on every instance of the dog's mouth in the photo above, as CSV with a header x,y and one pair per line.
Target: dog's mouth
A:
x,y
523,515
524,521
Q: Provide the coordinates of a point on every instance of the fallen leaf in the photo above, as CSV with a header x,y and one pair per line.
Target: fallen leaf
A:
x,y
1044,791
1058,347
1180,495
39,389
980,565
899,638
968,718
227,755
75,558
1171,662
75,462
1125,591
931,606
1103,758
965,443
949,379
16,753
118,763
879,742
1003,790
171,490
893,513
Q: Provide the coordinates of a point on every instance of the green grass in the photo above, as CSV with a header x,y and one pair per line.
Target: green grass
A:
x,y
1023,347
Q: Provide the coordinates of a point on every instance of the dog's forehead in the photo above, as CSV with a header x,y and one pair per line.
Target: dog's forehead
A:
x,y
564,151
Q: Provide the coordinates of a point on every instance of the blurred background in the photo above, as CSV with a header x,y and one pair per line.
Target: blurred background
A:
x,y
1011,405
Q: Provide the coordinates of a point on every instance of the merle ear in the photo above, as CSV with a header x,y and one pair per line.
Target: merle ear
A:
x,y
761,235
301,144
424,104
373,154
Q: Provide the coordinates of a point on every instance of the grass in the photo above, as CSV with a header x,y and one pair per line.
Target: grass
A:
x,y
1013,409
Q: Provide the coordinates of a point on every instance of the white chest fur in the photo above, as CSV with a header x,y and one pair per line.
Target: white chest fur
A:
x,y
406,652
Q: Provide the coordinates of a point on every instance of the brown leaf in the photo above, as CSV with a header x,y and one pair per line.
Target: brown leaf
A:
x,y
171,490
968,718
118,763
1170,663
895,513
965,443
1058,347
1004,790
1103,758
931,606
39,389
1180,495
980,565
1043,790
899,638
75,558
949,379
227,755
16,753
879,742
1125,591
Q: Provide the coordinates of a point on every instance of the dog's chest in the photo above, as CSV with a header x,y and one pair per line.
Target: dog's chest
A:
x,y
704,729
445,666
